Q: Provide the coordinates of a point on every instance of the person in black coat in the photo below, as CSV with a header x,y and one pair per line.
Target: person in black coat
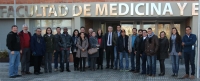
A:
x,y
142,53
101,53
74,49
162,52
122,47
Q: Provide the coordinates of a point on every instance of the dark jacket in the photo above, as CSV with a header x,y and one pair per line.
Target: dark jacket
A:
x,y
137,43
120,44
178,46
189,42
37,45
163,48
66,41
142,45
93,43
114,39
21,35
13,41
49,42
57,42
74,43
151,45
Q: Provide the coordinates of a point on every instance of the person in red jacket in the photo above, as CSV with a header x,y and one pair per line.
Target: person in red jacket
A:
x,y
25,37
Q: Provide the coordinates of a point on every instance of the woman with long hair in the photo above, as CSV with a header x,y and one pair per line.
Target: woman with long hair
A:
x,y
100,42
82,53
175,50
74,49
163,52
49,41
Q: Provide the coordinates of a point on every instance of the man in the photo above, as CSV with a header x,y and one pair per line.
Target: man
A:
x,y
137,50
151,48
142,52
110,42
122,47
188,44
82,29
89,35
116,55
25,38
13,44
38,50
65,49
57,48
131,42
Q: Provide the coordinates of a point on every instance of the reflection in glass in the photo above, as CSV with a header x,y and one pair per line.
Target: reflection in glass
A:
x,y
166,28
128,28
146,26
62,23
178,27
46,23
37,23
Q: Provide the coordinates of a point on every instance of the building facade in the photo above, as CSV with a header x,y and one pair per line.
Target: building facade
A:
x,y
160,15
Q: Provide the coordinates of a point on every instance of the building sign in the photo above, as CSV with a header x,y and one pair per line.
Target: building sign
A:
x,y
99,10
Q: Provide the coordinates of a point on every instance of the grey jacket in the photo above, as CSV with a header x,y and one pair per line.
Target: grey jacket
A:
x,y
130,43
93,43
82,45
66,41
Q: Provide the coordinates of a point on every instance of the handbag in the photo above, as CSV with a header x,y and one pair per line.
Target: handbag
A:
x,y
92,51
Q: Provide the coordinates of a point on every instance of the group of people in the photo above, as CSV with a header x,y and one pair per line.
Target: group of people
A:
x,y
141,45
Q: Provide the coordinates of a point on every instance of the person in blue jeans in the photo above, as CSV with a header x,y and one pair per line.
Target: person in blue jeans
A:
x,y
131,42
188,43
13,44
175,51
116,54
57,49
151,48
122,45
142,53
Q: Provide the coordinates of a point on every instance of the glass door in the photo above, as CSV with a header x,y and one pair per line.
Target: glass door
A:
x,y
164,26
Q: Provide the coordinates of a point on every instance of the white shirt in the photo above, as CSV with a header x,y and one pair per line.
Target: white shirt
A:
x,y
144,38
109,35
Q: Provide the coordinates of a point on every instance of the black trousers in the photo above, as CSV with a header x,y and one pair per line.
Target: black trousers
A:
x,y
137,61
109,55
162,65
93,62
82,61
37,63
76,60
100,58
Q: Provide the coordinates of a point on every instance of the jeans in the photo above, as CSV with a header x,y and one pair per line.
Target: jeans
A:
x,y
116,57
189,60
132,60
144,61
124,54
175,63
25,60
14,60
48,61
65,55
56,54
151,61
93,62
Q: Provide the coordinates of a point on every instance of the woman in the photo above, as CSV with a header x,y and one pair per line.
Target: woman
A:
x,y
163,52
93,44
74,49
175,50
49,41
100,42
82,53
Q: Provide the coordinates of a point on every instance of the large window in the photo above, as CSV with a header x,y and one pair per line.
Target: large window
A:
x,y
53,23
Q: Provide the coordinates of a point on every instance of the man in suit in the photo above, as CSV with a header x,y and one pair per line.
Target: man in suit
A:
x,y
110,42
116,54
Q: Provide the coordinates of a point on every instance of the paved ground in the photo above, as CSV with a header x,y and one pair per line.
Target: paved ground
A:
x,y
99,75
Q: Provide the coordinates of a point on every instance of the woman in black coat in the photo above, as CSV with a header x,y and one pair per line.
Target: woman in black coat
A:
x,y
163,52
74,49
100,42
